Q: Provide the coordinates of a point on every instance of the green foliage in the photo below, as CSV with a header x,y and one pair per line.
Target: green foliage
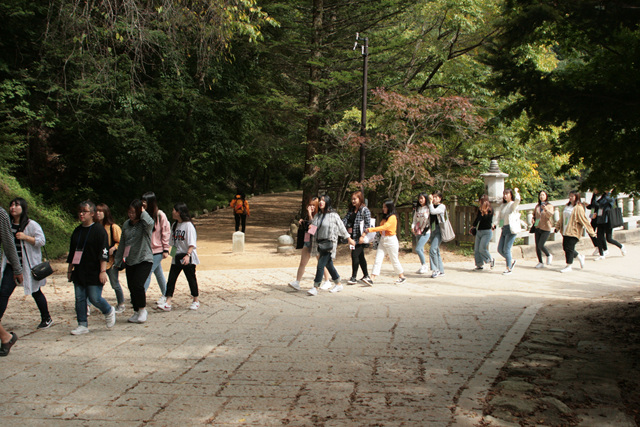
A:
x,y
56,224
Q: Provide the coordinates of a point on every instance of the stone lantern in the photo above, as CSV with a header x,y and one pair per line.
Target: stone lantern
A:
x,y
494,182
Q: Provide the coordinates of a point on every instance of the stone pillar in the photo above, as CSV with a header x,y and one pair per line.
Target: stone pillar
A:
x,y
494,188
238,242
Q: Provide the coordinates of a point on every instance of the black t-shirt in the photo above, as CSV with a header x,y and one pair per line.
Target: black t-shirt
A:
x,y
351,218
94,244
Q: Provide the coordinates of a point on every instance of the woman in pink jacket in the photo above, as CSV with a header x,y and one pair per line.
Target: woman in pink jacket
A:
x,y
159,243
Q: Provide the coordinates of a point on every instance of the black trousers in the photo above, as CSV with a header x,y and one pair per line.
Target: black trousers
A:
x,y
605,234
136,277
241,218
9,284
541,237
358,260
189,272
569,245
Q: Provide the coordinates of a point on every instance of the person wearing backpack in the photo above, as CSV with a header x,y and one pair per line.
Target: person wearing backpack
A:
x,y
604,229
240,210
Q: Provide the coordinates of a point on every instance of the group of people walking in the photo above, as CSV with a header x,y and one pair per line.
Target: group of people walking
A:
x,y
99,249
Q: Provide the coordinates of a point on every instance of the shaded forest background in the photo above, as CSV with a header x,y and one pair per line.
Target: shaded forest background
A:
x,y
196,100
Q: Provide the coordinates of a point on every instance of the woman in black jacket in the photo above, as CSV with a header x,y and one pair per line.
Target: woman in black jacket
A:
x,y
605,231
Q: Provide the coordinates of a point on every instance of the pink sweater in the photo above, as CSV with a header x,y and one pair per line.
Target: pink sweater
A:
x,y
160,236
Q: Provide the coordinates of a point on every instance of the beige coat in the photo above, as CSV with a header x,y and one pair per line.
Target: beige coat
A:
x,y
577,223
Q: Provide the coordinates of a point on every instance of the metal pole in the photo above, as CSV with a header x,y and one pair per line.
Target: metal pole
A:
x,y
363,122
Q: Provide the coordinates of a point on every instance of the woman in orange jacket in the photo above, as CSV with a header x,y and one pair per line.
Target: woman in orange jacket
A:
x,y
240,210
389,244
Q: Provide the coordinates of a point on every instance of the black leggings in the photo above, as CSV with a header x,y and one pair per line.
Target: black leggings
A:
x,y
136,277
541,238
240,218
189,272
569,246
605,234
7,287
358,260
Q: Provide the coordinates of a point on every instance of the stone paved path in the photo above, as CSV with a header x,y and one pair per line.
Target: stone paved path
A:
x,y
258,353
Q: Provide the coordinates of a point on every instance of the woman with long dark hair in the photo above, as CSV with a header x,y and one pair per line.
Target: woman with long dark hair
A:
x,y
183,239
437,211
543,223
304,243
327,227
358,219
29,239
604,231
159,243
483,224
421,228
389,244
572,224
134,254
510,202
104,217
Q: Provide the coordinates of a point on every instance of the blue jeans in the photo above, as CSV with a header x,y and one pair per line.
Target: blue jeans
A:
x,y
435,259
156,269
422,240
94,294
325,261
506,242
113,273
481,247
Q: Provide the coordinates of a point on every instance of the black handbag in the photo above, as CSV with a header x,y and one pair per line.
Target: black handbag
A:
x,y
42,270
325,245
615,216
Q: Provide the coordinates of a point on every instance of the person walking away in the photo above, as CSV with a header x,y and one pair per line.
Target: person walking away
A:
x,y
183,239
483,225
304,242
543,223
437,211
421,228
389,244
159,243
28,239
114,232
134,254
87,259
240,210
605,230
328,227
593,216
358,219
8,339
572,223
510,202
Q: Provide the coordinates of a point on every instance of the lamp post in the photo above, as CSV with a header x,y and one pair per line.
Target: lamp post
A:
x,y
363,121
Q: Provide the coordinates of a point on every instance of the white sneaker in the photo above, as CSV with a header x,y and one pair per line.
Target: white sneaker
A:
x,y
623,250
165,307
423,269
120,308
142,315
81,329
600,258
134,318
566,269
194,305
336,288
507,272
596,252
326,285
110,318
161,301
581,260
313,291
295,285
606,253
540,265
549,259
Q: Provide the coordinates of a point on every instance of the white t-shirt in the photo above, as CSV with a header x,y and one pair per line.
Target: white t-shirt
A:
x,y
183,236
566,216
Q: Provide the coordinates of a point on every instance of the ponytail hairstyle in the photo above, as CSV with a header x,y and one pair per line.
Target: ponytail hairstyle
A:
x,y
24,218
391,209
152,206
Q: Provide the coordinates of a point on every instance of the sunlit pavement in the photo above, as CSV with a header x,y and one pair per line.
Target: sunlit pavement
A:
x,y
259,353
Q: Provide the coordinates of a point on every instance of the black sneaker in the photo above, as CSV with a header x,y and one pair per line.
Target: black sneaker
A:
x,y
6,347
45,323
352,281
367,280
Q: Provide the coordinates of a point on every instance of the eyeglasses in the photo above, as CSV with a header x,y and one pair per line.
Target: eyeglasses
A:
x,y
83,212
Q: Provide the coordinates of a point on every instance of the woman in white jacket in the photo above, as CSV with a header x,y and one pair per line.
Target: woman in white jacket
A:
x,y
29,238
510,200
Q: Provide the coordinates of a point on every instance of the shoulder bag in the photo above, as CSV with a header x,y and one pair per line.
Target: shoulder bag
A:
x,y
324,245
42,270
514,222
446,230
615,215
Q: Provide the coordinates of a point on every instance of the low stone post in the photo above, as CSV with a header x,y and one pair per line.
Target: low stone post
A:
x,y
238,242
285,244
494,188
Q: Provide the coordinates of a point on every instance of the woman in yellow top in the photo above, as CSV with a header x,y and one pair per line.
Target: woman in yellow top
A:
x,y
240,210
388,243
